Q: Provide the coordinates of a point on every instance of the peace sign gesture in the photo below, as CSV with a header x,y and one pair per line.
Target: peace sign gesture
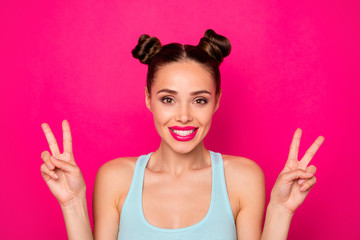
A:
x,y
59,170
297,178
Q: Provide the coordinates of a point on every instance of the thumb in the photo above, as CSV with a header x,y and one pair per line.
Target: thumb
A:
x,y
65,166
296,174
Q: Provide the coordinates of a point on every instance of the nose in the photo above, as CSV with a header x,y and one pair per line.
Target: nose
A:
x,y
183,114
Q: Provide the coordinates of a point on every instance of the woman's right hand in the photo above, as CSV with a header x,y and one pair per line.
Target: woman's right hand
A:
x,y
59,170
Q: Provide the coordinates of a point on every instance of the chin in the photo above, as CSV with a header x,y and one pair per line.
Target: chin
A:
x,y
184,148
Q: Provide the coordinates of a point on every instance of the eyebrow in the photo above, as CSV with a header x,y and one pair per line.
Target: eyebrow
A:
x,y
175,92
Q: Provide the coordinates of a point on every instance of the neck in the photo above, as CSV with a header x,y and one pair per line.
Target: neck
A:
x,y
165,159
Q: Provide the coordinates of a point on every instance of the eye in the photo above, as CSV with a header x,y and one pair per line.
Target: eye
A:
x,y
167,100
201,101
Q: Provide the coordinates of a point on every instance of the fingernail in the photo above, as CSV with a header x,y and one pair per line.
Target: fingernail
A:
x,y
301,181
55,176
302,189
51,166
309,173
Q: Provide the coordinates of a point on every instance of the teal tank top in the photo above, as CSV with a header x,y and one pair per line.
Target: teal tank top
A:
x,y
218,223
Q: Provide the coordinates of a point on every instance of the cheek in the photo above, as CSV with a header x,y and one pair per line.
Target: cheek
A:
x,y
161,114
205,116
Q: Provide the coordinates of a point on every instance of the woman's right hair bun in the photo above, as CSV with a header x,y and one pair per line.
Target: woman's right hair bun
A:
x,y
217,46
146,48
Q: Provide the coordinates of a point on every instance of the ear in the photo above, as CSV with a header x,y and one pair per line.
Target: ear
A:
x,y
217,100
147,98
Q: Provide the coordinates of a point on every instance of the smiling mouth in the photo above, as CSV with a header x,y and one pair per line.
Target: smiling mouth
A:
x,y
183,132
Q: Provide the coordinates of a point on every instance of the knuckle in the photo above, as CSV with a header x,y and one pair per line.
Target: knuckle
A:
x,y
284,177
294,147
43,168
281,176
310,153
44,154
52,142
67,141
311,168
77,169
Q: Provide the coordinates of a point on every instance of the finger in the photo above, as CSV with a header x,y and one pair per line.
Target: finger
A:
x,y
309,154
294,147
289,177
65,166
67,139
45,171
54,148
308,184
311,169
45,156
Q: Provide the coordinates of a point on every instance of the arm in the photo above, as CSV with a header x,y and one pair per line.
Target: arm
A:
x,y
112,183
65,181
277,223
250,218
246,188
77,220
106,216
290,190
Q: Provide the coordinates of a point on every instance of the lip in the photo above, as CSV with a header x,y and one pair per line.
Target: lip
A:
x,y
183,138
182,128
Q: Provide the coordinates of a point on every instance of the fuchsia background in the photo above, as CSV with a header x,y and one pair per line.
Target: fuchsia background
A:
x,y
293,64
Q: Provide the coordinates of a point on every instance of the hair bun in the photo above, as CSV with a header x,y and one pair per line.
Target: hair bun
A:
x,y
217,46
146,48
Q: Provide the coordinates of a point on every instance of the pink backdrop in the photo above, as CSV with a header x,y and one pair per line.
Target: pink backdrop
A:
x,y
293,64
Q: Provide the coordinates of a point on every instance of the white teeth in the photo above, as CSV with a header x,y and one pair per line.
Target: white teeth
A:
x,y
183,133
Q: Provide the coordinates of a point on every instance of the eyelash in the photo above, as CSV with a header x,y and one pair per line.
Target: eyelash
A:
x,y
204,101
165,99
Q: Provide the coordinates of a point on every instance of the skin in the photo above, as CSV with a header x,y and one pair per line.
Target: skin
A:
x,y
176,165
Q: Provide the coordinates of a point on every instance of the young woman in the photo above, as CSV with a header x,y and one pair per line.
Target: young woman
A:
x,y
182,190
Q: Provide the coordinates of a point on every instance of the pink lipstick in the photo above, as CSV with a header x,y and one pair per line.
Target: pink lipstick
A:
x,y
183,133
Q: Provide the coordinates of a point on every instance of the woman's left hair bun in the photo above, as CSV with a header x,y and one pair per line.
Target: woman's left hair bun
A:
x,y
216,45
146,48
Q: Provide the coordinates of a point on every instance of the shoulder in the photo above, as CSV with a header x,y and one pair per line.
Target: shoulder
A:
x,y
114,178
112,184
117,167
241,168
245,180
246,189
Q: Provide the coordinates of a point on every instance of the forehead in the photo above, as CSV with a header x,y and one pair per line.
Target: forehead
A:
x,y
186,76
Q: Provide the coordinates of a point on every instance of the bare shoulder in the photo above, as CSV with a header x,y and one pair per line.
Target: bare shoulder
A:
x,y
241,168
245,184
116,175
246,189
116,166
244,181
112,184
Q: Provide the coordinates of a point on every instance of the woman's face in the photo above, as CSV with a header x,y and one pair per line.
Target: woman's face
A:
x,y
183,100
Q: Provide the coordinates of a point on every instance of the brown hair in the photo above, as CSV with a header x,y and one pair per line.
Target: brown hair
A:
x,y
209,53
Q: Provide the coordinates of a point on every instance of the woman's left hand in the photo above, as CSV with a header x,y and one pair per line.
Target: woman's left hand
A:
x,y
297,178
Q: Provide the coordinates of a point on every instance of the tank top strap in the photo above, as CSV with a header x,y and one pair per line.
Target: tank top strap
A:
x,y
222,200
133,199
